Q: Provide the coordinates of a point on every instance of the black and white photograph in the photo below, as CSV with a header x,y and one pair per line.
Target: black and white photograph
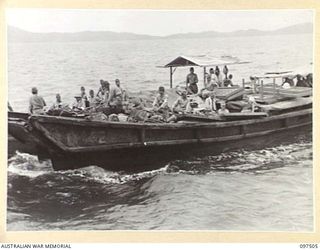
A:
x,y
131,119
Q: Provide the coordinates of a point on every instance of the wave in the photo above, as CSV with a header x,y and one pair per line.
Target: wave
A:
x,y
247,161
23,164
28,165
100,175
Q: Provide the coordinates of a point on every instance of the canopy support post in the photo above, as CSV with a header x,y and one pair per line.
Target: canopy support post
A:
x,y
171,80
204,77
274,87
261,89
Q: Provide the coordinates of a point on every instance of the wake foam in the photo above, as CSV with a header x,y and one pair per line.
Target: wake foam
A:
x,y
240,161
28,165
103,176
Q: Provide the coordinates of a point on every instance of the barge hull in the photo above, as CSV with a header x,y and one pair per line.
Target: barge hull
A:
x,y
143,159
133,147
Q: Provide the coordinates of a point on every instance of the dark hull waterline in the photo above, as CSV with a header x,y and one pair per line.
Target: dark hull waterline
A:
x,y
139,159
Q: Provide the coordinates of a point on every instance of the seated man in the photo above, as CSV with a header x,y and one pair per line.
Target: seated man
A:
x,y
309,80
78,104
211,86
251,106
36,103
59,109
223,110
161,100
228,81
211,102
182,104
301,82
136,111
58,103
287,83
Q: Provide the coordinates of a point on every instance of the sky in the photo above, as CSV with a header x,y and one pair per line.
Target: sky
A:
x,y
150,22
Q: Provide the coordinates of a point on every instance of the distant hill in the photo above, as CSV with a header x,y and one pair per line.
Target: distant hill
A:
x,y
295,29
19,35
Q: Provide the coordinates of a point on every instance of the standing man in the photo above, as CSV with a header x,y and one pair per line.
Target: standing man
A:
x,y
93,100
103,92
211,102
83,92
192,80
124,93
217,77
84,97
36,103
10,108
116,98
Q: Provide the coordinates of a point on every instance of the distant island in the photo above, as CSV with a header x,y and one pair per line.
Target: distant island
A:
x,y
19,35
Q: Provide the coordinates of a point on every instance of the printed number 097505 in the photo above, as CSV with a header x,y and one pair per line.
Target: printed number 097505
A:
x,y
310,246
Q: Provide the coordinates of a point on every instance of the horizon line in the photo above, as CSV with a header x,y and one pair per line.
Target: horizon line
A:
x,y
162,36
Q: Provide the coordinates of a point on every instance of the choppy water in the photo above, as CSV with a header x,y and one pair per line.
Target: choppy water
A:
x,y
65,67
263,190
259,190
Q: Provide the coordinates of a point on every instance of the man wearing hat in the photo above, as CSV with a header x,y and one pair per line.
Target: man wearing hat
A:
x,y
78,103
36,103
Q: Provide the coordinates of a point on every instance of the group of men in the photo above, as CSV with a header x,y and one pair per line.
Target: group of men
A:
x,y
112,98
205,103
301,81
213,79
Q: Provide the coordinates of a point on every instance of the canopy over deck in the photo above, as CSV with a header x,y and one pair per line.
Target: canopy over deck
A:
x,y
203,61
302,70
200,61
279,74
